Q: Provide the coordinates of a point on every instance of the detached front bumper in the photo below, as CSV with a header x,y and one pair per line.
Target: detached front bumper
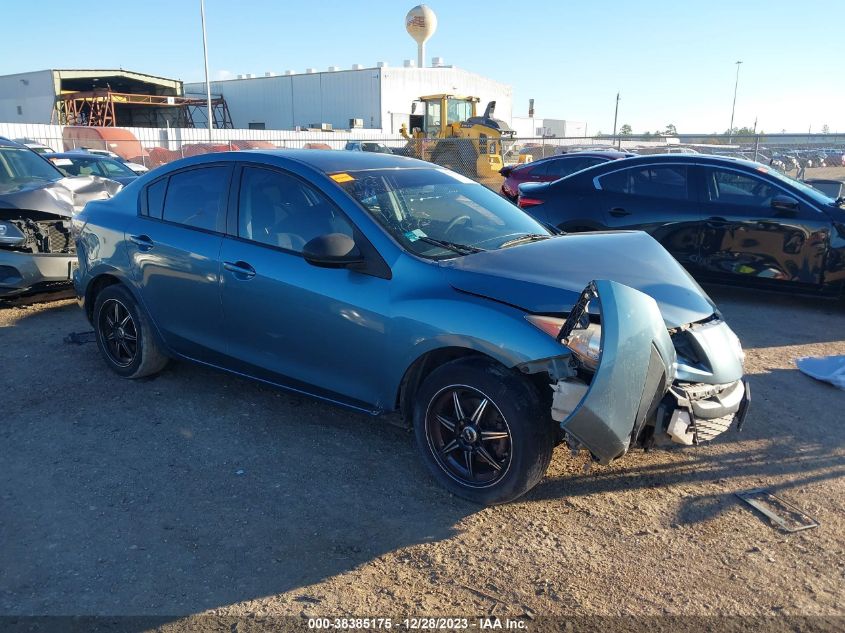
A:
x,y
20,272
634,395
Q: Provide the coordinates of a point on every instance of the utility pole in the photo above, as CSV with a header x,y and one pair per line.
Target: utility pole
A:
x,y
207,84
733,108
615,117
756,140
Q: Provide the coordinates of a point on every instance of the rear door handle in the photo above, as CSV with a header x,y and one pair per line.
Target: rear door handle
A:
x,y
241,270
619,212
143,242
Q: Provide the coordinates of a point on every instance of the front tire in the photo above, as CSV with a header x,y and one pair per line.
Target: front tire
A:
x,y
482,431
124,335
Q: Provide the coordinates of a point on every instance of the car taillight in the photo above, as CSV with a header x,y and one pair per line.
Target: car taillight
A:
x,y
529,202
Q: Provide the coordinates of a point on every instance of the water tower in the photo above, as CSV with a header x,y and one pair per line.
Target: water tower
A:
x,y
421,24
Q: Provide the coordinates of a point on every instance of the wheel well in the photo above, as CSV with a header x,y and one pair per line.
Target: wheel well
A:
x,y
94,288
423,366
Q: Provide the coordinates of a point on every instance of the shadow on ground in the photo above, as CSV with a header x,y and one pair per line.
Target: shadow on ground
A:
x,y
199,490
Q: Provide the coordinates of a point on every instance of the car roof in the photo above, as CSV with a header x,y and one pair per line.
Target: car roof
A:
x,y
5,142
327,161
81,155
684,158
607,153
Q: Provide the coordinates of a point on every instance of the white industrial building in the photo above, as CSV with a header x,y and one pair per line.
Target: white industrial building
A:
x,y
376,98
529,127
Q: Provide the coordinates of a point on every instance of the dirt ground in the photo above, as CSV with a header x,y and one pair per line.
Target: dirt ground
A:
x,y
196,492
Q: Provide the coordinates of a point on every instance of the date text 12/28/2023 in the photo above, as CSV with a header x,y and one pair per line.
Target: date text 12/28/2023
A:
x,y
417,623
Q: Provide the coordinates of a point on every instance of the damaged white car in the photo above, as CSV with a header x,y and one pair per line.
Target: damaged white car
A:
x,y
37,203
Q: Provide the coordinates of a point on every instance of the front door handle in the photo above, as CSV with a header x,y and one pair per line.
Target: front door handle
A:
x,y
241,270
619,212
143,242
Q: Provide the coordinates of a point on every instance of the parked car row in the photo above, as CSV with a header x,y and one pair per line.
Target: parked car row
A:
x,y
383,283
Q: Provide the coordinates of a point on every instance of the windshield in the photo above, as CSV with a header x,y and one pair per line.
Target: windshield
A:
x,y
19,165
803,187
421,206
115,168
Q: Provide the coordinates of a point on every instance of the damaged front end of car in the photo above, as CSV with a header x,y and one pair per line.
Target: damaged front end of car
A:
x,y
632,382
37,246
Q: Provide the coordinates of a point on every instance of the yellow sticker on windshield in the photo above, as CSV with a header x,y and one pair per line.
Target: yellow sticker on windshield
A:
x,y
342,177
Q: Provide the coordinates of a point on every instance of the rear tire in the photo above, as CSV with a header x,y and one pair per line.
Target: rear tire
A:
x,y
124,335
495,444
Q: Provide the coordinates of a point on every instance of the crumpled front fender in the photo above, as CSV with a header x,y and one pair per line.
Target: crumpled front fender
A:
x,y
636,368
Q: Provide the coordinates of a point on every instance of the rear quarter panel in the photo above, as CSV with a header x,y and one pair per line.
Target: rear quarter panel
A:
x,y
100,242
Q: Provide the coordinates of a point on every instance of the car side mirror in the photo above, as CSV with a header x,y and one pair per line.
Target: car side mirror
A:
x,y
332,250
785,204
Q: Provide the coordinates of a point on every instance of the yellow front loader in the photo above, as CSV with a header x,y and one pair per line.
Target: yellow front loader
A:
x,y
451,134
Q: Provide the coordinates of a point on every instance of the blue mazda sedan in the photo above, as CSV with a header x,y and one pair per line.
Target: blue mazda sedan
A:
x,y
383,283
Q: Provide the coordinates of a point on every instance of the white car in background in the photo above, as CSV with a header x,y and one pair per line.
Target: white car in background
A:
x,y
35,146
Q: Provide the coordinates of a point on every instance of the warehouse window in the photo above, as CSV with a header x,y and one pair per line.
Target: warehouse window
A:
x,y
257,125
20,110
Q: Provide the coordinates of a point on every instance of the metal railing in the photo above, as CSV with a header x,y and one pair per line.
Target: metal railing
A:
x,y
799,155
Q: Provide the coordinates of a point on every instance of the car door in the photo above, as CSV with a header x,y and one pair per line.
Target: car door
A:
x,y
658,198
288,321
174,246
757,229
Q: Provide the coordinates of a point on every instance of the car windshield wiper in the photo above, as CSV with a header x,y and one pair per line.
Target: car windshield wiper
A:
x,y
528,237
461,249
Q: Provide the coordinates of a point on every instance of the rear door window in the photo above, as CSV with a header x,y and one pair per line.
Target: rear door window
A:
x,y
563,168
658,181
537,170
155,198
198,197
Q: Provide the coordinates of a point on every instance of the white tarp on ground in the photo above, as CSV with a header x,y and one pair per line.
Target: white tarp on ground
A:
x,y
827,368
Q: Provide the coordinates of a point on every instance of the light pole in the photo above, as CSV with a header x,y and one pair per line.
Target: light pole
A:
x,y
733,108
207,84
615,116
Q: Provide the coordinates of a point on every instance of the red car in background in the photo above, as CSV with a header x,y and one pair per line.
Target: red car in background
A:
x,y
552,168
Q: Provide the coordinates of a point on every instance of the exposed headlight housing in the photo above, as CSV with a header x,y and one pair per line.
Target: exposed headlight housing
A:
x,y
10,235
576,331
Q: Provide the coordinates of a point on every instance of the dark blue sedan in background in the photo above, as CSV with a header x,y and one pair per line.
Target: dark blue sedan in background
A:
x,y
726,220
383,283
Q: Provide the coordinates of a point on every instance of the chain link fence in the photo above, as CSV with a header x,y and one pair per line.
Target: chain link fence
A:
x,y
798,155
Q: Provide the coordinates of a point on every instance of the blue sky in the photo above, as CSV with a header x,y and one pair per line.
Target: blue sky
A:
x,y
673,61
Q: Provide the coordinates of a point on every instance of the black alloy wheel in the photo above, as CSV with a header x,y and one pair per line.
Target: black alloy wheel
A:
x,y
125,335
119,332
468,435
483,430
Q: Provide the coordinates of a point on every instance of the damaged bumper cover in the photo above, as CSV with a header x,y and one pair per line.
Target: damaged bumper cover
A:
x,y
634,395
20,272
36,243
697,413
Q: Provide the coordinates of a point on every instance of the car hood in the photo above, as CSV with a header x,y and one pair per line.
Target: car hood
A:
x,y
60,197
548,276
